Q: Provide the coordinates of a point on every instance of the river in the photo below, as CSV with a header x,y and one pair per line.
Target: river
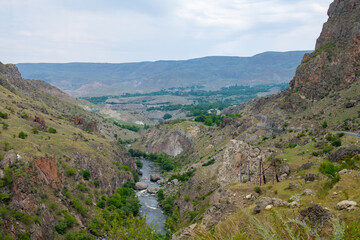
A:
x,y
149,204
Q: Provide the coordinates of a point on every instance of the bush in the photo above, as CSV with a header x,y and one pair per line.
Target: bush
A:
x,y
139,163
3,115
101,204
5,126
329,169
324,124
35,130
167,116
293,145
315,154
160,195
85,174
257,189
61,227
187,197
336,143
52,130
6,146
78,206
69,171
22,135
212,161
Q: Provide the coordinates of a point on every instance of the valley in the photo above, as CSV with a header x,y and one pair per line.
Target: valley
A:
x,y
211,148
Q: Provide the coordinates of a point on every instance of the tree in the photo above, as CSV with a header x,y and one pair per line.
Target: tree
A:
x,y
167,116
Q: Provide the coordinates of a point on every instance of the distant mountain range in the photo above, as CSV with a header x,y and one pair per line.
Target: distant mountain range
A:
x,y
95,79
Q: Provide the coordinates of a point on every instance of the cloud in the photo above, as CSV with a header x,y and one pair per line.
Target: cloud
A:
x,y
137,30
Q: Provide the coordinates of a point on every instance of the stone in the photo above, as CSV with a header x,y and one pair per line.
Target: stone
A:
x,y
152,190
40,122
283,177
292,186
141,186
9,159
294,204
277,202
155,177
316,216
310,177
1,174
144,178
261,204
306,166
268,207
175,182
308,192
295,198
344,171
346,204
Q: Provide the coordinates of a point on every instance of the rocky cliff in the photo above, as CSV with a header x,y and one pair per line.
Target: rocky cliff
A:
x,y
335,63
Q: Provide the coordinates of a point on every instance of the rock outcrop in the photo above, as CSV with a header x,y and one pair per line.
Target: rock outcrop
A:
x,y
335,63
47,171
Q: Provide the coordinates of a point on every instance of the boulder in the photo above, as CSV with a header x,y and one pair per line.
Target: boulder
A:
x,y
295,198
310,177
344,171
155,177
175,182
268,207
294,204
343,152
9,159
283,177
144,178
306,166
346,205
292,186
141,186
315,216
152,190
261,204
277,202
308,192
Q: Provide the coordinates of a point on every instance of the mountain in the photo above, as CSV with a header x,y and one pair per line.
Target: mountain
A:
x,y
78,79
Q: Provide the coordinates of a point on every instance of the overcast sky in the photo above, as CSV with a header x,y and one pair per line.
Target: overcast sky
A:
x,y
143,30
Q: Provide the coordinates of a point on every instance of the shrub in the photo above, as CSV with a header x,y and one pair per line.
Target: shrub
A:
x,y
35,130
4,197
293,145
52,130
139,163
78,206
160,195
324,124
85,174
69,171
187,197
212,161
61,227
167,116
6,146
3,115
329,169
101,204
336,143
257,189
5,126
22,135
315,154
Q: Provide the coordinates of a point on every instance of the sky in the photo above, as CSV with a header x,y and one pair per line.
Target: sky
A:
x,y
148,30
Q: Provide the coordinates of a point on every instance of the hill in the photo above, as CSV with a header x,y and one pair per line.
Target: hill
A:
x,y
57,162
97,79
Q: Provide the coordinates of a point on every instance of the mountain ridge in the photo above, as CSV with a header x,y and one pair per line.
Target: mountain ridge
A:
x,y
213,72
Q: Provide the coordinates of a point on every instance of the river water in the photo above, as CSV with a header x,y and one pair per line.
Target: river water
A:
x,y
149,204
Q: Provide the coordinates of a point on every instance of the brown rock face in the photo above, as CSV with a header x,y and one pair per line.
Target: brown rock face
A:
x,y
40,122
335,63
47,171
92,126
